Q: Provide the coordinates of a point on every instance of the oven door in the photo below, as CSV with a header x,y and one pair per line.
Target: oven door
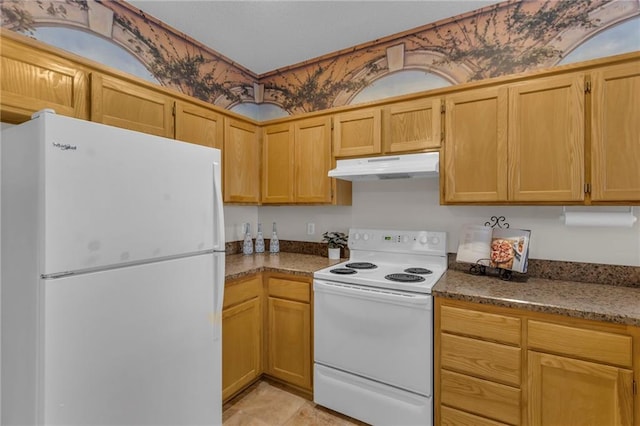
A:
x,y
380,334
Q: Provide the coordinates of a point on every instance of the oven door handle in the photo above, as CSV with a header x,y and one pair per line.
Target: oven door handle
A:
x,y
374,294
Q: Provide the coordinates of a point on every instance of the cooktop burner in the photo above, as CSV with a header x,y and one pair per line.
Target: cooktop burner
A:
x,y
404,278
419,271
343,271
361,265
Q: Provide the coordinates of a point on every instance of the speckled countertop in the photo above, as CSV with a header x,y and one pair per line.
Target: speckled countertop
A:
x,y
238,265
617,304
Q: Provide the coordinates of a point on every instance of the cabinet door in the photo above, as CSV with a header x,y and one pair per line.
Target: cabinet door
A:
x,y
241,162
241,330
566,391
198,125
241,334
289,341
277,163
412,126
615,133
33,80
313,160
475,149
546,139
131,106
357,133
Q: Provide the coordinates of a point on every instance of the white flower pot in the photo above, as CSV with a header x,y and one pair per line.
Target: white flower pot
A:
x,y
334,253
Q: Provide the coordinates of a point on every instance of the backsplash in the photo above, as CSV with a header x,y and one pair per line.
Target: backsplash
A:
x,y
300,247
595,273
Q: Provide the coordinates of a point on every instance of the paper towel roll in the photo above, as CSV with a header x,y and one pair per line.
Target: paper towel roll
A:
x,y
604,219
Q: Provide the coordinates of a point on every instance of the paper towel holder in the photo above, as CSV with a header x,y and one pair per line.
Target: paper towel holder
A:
x,y
598,219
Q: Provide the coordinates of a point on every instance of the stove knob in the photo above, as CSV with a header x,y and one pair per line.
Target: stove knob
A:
x,y
356,236
435,241
365,237
423,240
405,239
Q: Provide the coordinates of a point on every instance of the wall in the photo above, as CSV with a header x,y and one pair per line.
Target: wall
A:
x,y
505,38
414,204
234,219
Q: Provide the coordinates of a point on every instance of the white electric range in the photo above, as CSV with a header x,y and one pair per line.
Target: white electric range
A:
x,y
373,327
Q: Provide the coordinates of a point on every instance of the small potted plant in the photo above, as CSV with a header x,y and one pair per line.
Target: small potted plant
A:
x,y
335,241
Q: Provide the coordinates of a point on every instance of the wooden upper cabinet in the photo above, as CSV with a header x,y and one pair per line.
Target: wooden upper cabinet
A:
x,y
475,149
313,160
277,163
615,133
521,142
296,161
357,133
198,125
412,126
546,139
33,80
121,103
241,162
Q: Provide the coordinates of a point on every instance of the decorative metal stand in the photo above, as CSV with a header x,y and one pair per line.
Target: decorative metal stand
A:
x,y
481,269
499,221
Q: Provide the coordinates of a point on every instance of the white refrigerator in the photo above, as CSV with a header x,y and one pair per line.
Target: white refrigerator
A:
x,y
112,277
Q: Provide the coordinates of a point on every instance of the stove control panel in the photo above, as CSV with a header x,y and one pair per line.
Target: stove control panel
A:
x,y
427,242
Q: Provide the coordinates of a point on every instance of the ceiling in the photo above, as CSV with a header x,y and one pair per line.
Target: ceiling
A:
x,y
264,35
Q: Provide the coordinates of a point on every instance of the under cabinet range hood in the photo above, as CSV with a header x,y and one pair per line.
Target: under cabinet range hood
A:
x,y
392,167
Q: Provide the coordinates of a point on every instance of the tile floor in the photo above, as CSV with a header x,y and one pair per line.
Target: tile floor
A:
x,y
268,404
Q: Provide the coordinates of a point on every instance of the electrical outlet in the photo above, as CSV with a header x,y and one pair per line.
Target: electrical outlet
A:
x,y
311,228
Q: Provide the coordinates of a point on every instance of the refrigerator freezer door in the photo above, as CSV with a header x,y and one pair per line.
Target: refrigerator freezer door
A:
x,y
112,196
135,346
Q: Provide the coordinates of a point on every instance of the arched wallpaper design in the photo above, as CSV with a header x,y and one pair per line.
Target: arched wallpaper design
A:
x,y
505,38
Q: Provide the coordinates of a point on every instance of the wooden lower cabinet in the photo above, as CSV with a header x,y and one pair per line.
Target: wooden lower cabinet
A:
x,y
288,330
267,329
241,334
564,390
504,366
479,359
483,397
453,417
579,375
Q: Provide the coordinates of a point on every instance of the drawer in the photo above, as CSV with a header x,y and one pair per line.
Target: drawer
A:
x,y
580,343
240,290
453,417
491,361
482,397
289,289
500,328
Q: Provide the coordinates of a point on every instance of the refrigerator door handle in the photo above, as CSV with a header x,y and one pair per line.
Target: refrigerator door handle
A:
x,y
218,293
219,240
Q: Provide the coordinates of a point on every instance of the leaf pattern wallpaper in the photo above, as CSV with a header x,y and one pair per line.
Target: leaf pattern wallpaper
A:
x,y
509,37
